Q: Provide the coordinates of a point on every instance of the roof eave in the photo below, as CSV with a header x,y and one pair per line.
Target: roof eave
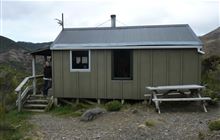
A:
x,y
128,47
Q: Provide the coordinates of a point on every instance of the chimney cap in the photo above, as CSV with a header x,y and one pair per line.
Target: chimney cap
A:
x,y
113,16
113,21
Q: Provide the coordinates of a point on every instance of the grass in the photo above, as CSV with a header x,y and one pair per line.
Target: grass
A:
x,y
201,136
14,125
68,110
150,123
113,106
214,125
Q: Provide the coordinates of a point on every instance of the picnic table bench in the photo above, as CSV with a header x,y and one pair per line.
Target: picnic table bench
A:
x,y
193,92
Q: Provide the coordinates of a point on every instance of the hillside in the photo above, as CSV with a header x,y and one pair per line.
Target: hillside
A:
x,y
211,42
15,55
7,44
33,46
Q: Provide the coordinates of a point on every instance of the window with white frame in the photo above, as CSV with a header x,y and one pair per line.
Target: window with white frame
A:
x,y
80,60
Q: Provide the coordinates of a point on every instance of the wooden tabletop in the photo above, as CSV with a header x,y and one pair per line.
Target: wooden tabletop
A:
x,y
176,87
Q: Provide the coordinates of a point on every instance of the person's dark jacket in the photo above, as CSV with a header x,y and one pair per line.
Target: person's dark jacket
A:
x,y
48,72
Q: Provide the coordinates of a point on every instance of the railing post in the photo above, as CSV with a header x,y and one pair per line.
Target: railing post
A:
x,y
34,74
19,101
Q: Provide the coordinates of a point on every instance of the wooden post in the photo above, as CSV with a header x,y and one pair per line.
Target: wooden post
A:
x,y
99,101
77,101
122,101
55,100
34,74
19,101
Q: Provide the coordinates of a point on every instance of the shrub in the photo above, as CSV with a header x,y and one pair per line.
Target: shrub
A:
x,y
113,106
150,123
214,125
210,77
213,95
201,136
210,63
15,125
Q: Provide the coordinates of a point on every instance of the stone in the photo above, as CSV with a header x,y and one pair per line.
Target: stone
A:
x,y
134,111
141,126
91,114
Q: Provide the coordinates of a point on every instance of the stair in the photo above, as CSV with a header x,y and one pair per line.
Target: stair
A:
x,y
36,103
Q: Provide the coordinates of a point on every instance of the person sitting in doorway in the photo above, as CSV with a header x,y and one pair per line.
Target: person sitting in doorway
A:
x,y
47,78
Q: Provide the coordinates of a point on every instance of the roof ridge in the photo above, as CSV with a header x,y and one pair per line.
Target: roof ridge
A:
x,y
127,27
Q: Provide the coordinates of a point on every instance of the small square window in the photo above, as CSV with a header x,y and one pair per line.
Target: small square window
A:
x,y
80,60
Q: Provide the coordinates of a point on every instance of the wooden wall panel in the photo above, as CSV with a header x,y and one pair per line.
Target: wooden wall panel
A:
x,y
159,65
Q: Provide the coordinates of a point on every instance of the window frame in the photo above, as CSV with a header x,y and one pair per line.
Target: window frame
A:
x,y
131,67
80,70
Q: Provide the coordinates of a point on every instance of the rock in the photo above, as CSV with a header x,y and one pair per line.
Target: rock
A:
x,y
134,111
141,126
91,114
97,137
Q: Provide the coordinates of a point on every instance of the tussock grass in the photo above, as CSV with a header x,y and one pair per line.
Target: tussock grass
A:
x,y
113,105
150,123
14,125
68,110
214,125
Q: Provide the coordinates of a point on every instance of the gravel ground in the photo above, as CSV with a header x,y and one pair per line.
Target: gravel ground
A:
x,y
178,121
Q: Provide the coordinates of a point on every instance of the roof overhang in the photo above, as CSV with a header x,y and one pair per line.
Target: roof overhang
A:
x,y
42,51
74,47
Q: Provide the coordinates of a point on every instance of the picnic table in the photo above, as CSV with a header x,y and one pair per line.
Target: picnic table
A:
x,y
192,92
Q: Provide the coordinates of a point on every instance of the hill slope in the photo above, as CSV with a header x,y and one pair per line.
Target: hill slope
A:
x,y
33,46
16,56
7,44
212,42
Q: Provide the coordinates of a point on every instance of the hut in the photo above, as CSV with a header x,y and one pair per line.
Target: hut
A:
x,y
119,62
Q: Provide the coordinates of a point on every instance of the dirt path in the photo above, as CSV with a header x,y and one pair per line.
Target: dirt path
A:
x,y
128,124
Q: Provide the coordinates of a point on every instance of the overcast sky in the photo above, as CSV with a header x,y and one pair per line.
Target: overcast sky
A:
x,y
33,20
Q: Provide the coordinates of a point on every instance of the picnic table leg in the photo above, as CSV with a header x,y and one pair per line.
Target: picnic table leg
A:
x,y
156,102
150,99
203,102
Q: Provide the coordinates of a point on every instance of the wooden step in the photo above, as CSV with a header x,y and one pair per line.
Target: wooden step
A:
x,y
35,105
34,110
39,101
37,97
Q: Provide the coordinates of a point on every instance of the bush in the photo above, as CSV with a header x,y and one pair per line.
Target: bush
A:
x,y
214,125
210,77
210,64
150,123
14,125
113,106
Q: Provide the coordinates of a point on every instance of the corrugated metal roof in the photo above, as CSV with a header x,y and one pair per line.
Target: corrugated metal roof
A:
x,y
158,35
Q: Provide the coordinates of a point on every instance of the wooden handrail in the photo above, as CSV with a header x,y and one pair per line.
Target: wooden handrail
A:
x,y
22,94
25,81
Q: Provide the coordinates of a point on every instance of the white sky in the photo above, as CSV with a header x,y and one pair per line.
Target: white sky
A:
x,y
33,20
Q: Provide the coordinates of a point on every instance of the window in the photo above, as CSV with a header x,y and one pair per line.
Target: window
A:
x,y
80,60
122,67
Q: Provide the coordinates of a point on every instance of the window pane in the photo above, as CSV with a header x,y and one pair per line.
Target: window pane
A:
x,y
84,60
80,59
122,64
